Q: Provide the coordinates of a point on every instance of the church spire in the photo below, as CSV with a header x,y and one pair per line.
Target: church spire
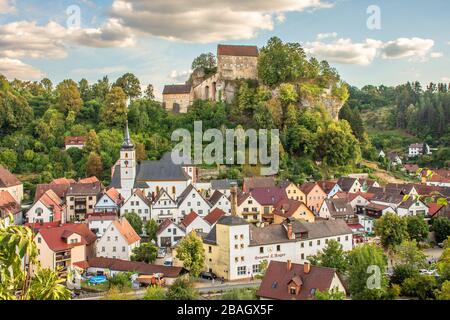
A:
x,y
127,144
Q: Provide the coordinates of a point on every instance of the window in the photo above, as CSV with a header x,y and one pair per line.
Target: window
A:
x,y
318,242
242,246
242,259
241,270
114,249
236,237
303,256
108,238
256,268
39,212
103,249
346,238
123,249
209,249
339,239
174,231
236,246
310,243
292,290
236,259
39,240
278,248
261,250
242,237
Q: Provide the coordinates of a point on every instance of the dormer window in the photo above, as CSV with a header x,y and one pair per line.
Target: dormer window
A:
x,y
293,290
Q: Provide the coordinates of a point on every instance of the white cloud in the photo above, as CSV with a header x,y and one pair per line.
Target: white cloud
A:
x,y
322,36
13,68
206,20
436,55
99,71
7,6
345,51
180,76
407,47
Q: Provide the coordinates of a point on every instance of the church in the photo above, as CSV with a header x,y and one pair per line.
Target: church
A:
x,y
150,177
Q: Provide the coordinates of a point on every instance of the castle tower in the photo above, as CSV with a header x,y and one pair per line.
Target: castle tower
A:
x,y
127,164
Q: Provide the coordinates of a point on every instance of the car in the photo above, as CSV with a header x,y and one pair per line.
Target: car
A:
x,y
428,272
208,275
161,253
168,262
441,245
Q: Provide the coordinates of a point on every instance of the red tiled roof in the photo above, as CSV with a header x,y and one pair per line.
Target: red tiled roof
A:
x,y
89,180
189,219
53,236
277,278
74,140
257,182
62,181
51,200
164,225
59,189
214,216
177,89
308,187
115,196
286,207
327,185
7,179
268,196
240,51
126,230
102,216
8,204
433,208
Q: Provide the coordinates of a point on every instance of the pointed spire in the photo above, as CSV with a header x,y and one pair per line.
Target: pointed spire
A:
x,y
127,140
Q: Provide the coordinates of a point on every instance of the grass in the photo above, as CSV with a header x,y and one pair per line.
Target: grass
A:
x,y
101,287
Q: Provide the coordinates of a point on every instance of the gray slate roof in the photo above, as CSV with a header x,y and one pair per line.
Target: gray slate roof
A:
x,y
320,229
222,184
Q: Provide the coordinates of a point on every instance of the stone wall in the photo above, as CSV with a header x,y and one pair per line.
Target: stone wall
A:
x,y
233,67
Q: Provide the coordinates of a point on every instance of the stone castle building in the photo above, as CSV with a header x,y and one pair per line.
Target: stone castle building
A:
x,y
233,63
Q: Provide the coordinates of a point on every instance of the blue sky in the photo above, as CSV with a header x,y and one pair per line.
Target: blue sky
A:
x,y
157,40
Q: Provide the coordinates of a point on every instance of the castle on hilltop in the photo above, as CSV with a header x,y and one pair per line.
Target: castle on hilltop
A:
x,y
234,62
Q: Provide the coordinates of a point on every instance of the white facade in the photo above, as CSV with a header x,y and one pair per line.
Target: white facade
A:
x,y
173,188
164,208
170,236
193,202
40,213
417,208
113,245
106,204
135,204
100,226
223,204
198,225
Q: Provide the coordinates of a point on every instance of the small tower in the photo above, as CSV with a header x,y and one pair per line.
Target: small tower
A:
x,y
127,163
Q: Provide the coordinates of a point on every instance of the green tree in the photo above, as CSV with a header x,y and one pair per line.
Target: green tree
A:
x,y
417,227
120,281
92,142
408,253
392,230
47,285
155,293
332,256
441,228
402,272
140,152
330,295
150,229
69,98
366,279
444,292
8,158
94,165
190,251
149,92
114,111
422,286
146,252
135,221
182,289
206,61
130,85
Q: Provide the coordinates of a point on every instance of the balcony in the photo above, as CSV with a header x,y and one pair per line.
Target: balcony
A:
x,y
63,257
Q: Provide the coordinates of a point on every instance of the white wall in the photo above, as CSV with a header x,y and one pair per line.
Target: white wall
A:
x,y
194,202
113,245
32,214
135,204
172,232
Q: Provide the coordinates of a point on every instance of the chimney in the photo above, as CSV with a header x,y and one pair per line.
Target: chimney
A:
x,y
306,267
289,265
289,231
233,199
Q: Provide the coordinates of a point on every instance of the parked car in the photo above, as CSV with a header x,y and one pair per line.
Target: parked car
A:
x,y
168,262
208,275
428,272
161,253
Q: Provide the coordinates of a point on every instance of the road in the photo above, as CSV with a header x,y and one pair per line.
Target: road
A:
x,y
434,253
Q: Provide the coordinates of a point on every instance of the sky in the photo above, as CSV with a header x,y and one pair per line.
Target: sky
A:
x,y
368,41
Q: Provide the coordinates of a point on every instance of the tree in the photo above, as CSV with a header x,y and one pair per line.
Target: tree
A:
x,y
146,252
441,228
150,229
392,230
190,251
16,244
182,289
408,253
417,227
239,294
135,221
444,292
114,111
69,98
402,272
206,61
149,92
366,279
8,158
330,295
332,256
422,286
120,281
130,85
155,293
92,142
94,165
140,152
443,264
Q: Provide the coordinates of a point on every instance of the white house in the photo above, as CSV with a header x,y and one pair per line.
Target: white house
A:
x,y
137,203
417,149
118,241
164,207
109,201
48,208
349,184
191,200
169,234
224,186
381,154
99,222
220,201
193,222
412,208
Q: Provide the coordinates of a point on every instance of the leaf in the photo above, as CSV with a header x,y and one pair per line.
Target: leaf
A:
x,y
406,197
442,202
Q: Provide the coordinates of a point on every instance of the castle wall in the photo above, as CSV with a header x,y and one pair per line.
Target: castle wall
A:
x,y
237,67
183,100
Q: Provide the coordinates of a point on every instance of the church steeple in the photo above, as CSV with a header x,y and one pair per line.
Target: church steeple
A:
x,y
127,144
